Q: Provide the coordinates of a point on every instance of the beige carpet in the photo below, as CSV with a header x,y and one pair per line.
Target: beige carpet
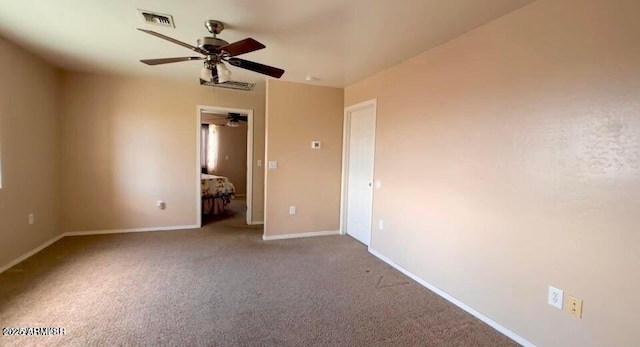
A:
x,y
223,286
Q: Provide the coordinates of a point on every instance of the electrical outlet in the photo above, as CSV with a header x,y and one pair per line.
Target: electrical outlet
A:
x,y
380,224
32,218
555,297
259,163
292,210
574,306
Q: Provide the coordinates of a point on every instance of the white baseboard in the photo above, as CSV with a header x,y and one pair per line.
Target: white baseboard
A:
x,y
90,232
29,254
259,222
131,230
510,334
298,235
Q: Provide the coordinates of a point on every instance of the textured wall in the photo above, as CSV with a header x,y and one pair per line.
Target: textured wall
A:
x,y
128,142
232,156
510,160
309,179
29,152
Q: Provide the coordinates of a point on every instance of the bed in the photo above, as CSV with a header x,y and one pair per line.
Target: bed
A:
x,y
217,193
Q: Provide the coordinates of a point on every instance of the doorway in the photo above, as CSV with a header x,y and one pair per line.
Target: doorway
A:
x,y
357,170
216,175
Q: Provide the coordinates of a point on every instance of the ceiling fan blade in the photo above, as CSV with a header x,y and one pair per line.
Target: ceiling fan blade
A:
x,y
169,60
237,117
177,42
242,47
257,67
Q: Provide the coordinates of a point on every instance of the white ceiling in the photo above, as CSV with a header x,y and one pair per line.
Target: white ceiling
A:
x,y
338,41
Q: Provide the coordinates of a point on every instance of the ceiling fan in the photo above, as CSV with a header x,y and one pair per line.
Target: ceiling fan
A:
x,y
230,120
215,52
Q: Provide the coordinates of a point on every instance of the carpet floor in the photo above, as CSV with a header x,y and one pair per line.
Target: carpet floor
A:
x,y
223,286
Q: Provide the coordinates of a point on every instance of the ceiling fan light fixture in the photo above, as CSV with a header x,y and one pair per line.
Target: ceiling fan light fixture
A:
x,y
224,75
206,74
232,123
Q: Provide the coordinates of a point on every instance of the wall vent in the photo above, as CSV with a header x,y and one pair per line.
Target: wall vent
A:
x,y
153,18
246,86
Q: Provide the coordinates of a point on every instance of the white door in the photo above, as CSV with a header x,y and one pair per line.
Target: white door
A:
x,y
360,173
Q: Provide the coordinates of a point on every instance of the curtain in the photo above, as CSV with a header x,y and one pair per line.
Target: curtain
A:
x,y
212,149
204,135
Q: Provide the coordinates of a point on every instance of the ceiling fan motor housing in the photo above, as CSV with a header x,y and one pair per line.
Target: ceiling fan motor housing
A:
x,y
210,44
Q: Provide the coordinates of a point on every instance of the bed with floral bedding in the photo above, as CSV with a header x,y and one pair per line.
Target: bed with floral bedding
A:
x,y
217,193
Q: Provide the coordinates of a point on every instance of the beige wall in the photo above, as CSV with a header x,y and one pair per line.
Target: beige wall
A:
x,y
510,161
29,152
128,142
232,156
308,179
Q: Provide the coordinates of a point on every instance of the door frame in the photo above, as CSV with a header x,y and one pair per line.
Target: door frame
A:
x,y
249,114
346,139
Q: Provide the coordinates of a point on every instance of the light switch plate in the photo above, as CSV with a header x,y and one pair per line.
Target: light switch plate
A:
x,y
316,144
380,224
555,297
259,163
273,164
292,210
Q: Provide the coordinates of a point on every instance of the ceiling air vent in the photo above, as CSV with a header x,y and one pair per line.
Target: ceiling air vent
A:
x,y
153,18
246,86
